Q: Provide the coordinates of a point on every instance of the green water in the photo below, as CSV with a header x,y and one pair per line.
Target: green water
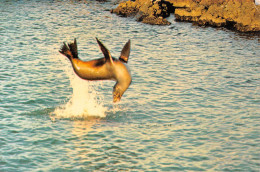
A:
x,y
193,104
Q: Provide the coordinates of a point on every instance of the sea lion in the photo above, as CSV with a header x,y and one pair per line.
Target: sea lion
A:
x,y
107,68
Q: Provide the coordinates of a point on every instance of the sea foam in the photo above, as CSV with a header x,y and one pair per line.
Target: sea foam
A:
x,y
84,102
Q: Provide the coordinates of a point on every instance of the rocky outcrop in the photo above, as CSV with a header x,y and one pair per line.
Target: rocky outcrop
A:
x,y
241,15
146,11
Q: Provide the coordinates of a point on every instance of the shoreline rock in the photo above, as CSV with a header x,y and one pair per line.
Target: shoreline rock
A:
x,y
240,15
145,11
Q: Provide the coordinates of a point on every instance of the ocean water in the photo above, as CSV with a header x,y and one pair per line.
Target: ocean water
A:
x,y
193,104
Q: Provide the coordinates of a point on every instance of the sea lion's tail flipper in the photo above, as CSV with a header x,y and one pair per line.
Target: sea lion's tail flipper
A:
x,y
125,52
70,50
105,51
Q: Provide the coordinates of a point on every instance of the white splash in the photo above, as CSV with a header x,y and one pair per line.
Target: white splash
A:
x,y
85,101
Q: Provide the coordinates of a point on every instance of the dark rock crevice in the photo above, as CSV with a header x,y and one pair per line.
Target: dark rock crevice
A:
x,y
230,25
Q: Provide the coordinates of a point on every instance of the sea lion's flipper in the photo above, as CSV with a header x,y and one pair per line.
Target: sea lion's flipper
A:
x,y
70,50
125,52
65,51
74,49
105,51
117,93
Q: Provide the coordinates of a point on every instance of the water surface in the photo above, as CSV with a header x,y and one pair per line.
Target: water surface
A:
x,y
193,104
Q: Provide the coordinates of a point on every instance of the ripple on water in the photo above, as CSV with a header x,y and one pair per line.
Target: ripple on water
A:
x,y
192,105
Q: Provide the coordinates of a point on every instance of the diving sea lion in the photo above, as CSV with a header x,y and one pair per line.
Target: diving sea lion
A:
x,y
107,68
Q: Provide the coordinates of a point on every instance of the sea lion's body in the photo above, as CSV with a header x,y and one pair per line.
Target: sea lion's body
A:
x,y
106,68
91,70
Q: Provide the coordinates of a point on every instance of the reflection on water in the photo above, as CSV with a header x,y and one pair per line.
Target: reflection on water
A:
x,y
82,152
82,127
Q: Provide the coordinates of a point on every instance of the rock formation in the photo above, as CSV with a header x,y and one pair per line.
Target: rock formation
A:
x,y
146,11
241,15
